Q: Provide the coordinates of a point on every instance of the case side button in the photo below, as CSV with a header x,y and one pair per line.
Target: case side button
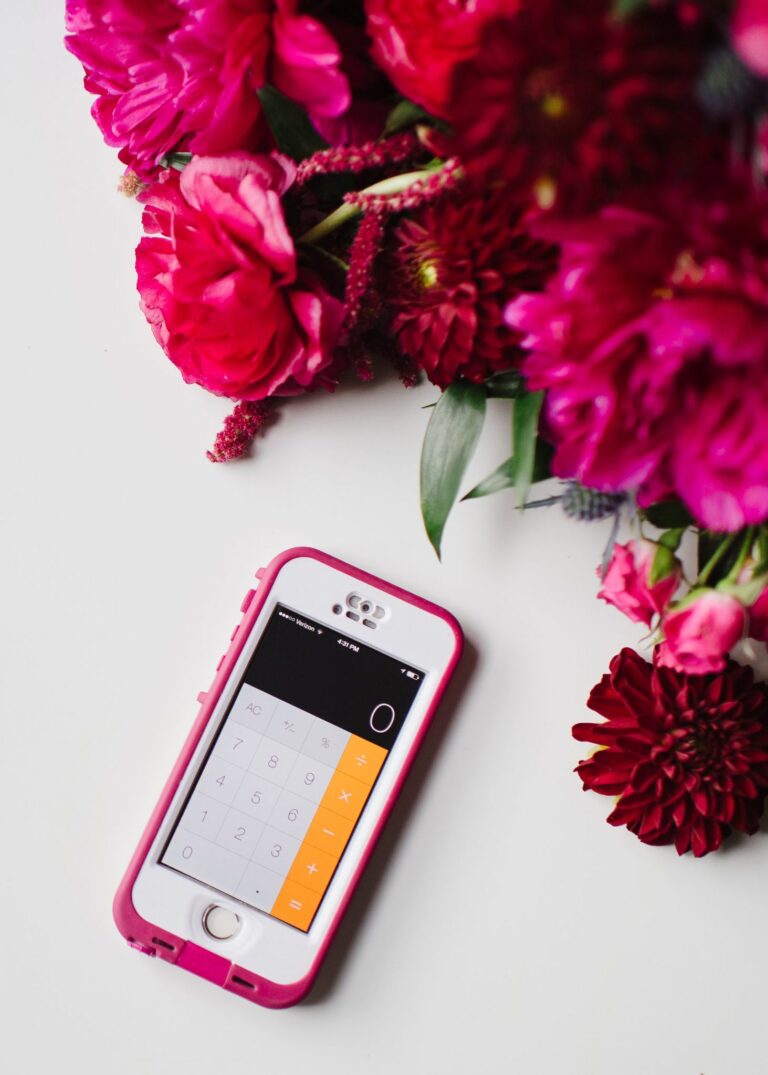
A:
x,y
247,600
145,948
202,695
260,573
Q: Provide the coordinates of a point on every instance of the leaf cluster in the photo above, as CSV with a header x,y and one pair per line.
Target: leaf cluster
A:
x,y
451,438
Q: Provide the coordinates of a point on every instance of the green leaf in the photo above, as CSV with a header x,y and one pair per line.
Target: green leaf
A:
x,y
503,477
506,385
667,514
404,114
671,540
664,563
290,125
179,161
451,437
542,464
525,418
625,9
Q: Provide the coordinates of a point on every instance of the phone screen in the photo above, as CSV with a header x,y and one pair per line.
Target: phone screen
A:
x,y
291,767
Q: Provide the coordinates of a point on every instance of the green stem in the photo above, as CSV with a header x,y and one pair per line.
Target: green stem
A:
x,y
762,548
395,184
744,551
338,262
715,559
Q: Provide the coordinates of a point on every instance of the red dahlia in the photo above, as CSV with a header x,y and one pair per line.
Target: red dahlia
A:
x,y
453,266
566,101
686,756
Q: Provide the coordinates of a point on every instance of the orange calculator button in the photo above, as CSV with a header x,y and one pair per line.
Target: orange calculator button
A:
x,y
345,796
312,868
329,832
296,904
362,759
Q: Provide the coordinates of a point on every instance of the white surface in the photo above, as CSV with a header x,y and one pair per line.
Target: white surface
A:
x,y
503,926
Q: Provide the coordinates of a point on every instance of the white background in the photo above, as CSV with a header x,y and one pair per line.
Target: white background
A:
x,y
502,926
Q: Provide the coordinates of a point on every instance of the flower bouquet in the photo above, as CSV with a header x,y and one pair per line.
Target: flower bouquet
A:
x,y
559,204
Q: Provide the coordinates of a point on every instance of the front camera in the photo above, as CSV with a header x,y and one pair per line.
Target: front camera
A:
x,y
338,609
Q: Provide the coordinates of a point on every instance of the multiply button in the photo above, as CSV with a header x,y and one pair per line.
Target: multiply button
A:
x,y
362,759
345,796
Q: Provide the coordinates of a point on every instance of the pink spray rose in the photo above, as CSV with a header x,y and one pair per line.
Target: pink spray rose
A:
x,y
183,74
652,344
221,286
749,29
627,586
699,636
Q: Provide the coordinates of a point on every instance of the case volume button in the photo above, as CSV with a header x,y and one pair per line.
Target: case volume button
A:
x,y
139,947
247,600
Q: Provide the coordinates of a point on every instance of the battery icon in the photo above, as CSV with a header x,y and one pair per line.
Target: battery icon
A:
x,y
412,675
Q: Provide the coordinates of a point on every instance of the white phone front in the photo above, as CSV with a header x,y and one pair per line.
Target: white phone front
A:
x,y
317,712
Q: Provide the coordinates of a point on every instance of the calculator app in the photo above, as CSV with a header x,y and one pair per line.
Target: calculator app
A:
x,y
291,767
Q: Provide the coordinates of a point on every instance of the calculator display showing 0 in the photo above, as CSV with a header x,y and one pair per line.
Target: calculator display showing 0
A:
x,y
291,767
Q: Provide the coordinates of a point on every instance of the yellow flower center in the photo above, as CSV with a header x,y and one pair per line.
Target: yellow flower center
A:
x,y
553,105
545,191
426,274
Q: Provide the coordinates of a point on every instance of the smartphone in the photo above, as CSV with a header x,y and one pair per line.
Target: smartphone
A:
x,y
297,756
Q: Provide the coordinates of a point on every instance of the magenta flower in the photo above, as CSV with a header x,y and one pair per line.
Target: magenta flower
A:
x,y
699,636
182,74
749,29
627,585
684,756
221,286
652,341
418,43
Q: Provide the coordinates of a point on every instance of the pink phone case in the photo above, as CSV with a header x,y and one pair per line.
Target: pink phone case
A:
x,y
153,941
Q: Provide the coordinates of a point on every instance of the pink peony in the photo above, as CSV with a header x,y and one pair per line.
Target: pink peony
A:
x,y
699,635
183,74
221,286
749,29
419,42
652,341
626,583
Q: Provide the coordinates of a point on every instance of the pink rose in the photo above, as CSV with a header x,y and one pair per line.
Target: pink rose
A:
x,y
749,28
699,636
221,286
627,582
418,43
758,618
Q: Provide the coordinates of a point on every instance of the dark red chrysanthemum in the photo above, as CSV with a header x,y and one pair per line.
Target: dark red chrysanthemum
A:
x,y
686,756
563,100
452,268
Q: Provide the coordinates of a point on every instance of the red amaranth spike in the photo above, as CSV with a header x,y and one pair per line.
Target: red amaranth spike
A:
x,y
373,154
419,193
239,430
362,255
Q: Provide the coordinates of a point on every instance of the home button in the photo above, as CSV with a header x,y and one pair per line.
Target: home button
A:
x,y
220,923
